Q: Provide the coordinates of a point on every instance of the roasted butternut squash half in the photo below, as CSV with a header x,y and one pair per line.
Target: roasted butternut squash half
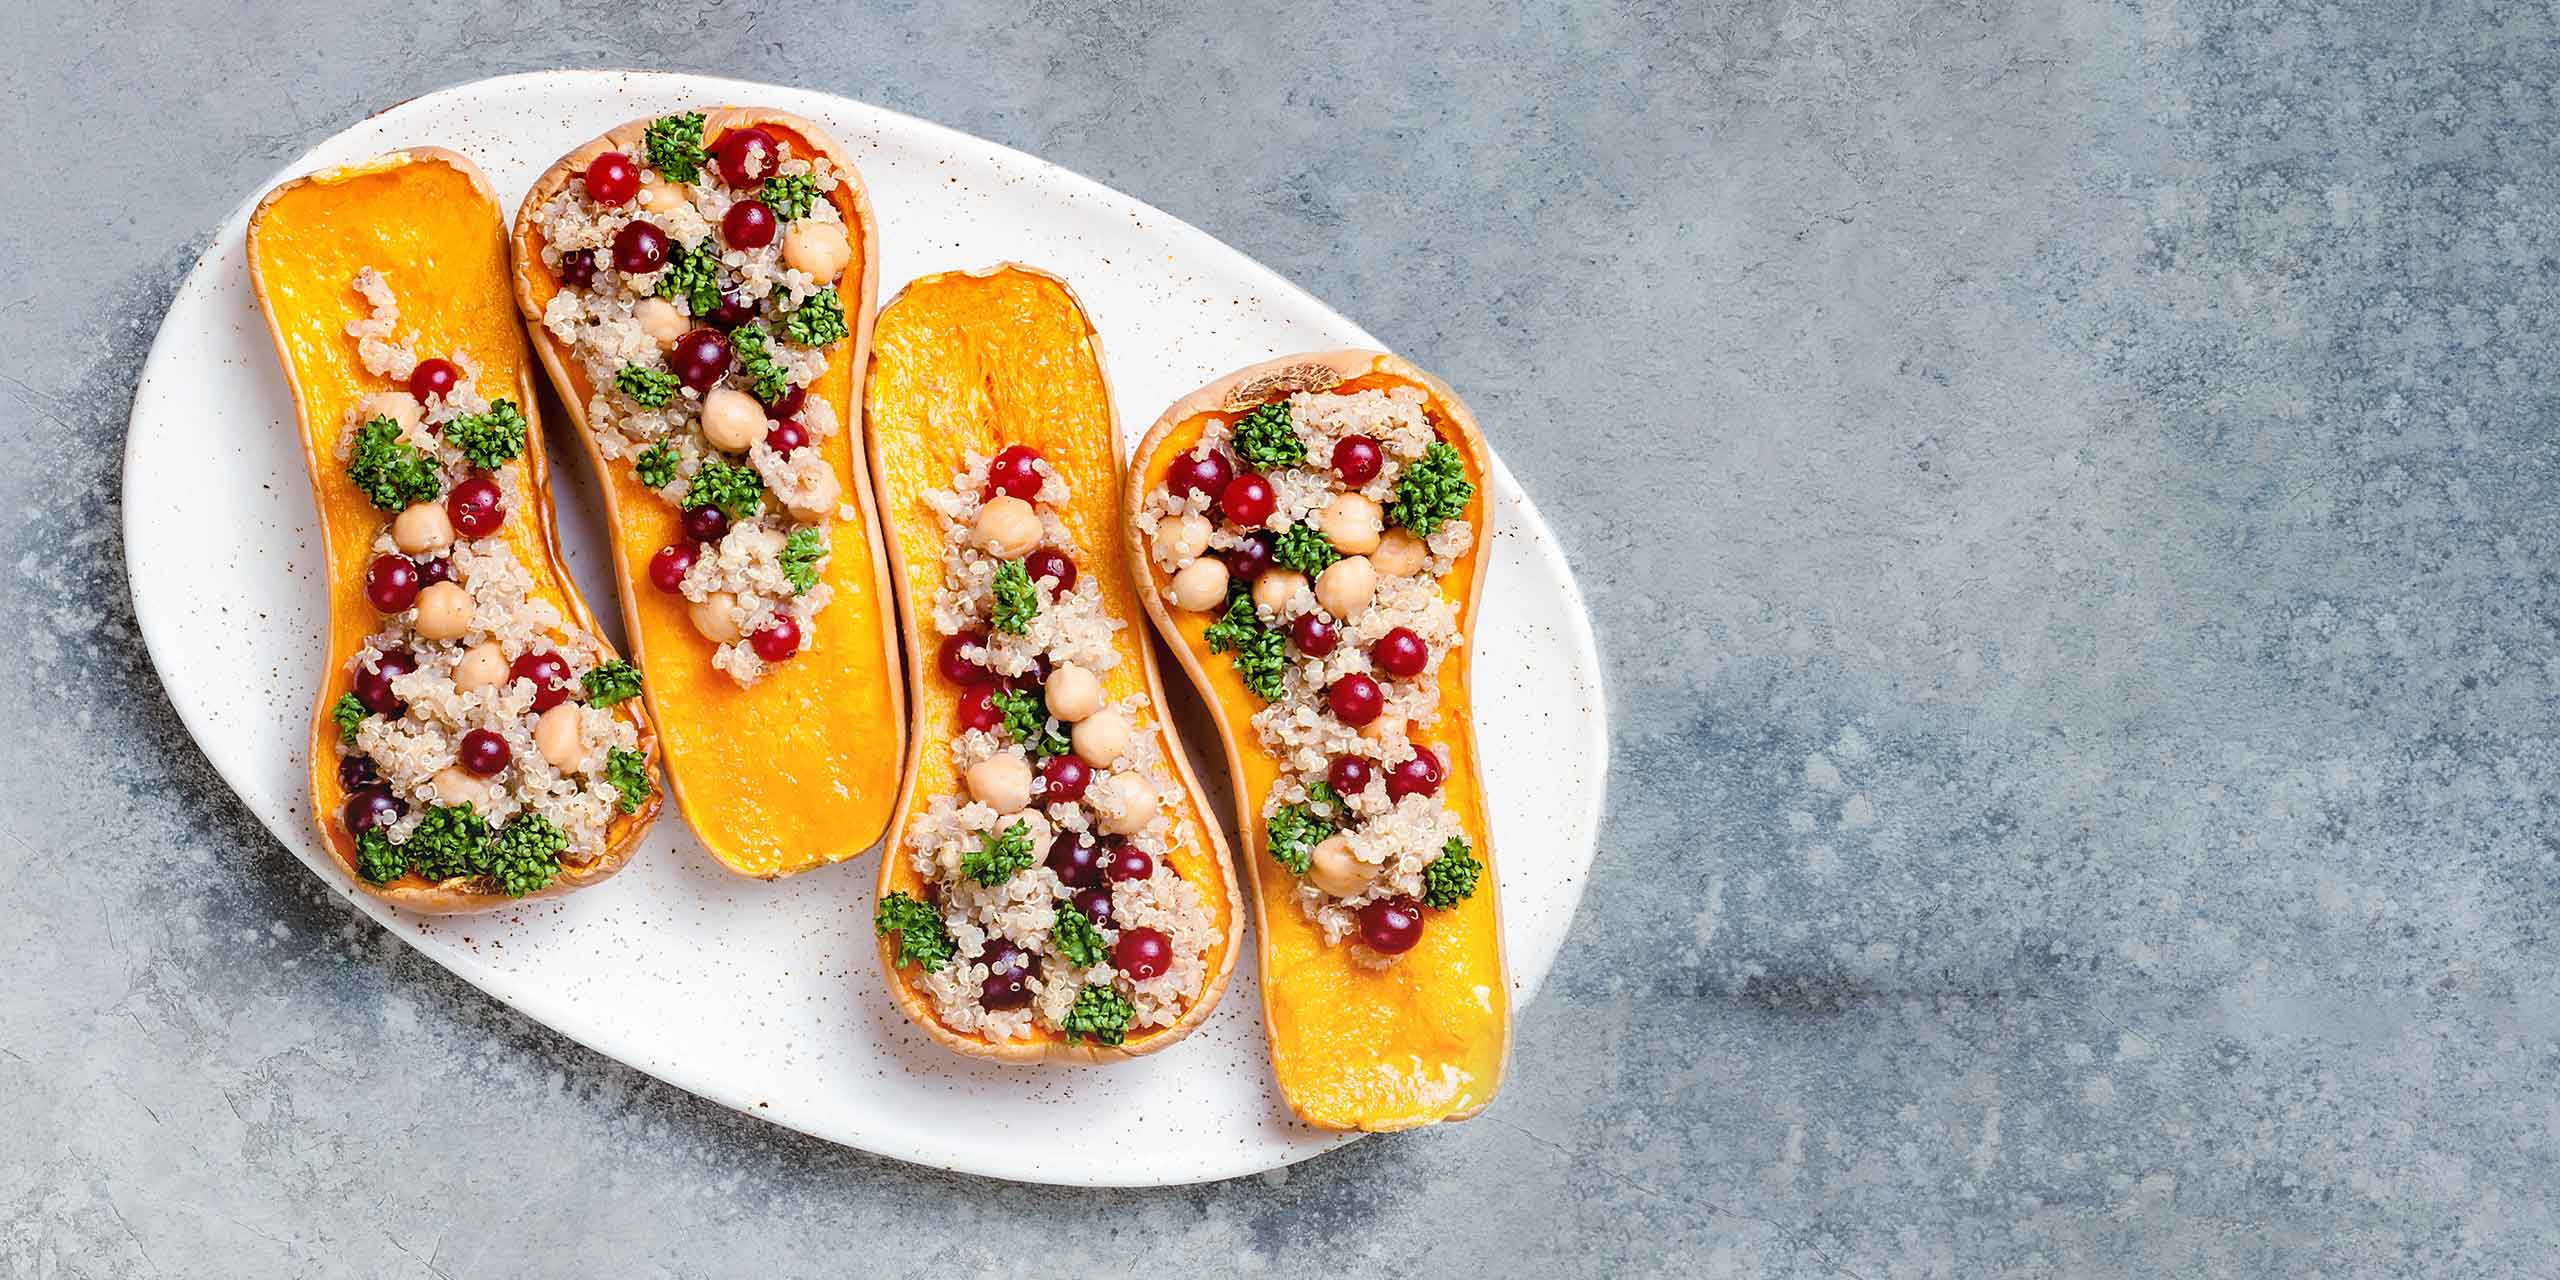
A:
x,y
1054,888
700,288
1311,535
476,741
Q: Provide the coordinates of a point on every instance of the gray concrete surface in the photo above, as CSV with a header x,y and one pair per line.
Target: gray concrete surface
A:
x,y
2065,490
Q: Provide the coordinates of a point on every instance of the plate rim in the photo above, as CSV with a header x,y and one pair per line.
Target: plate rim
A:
x,y
927,1153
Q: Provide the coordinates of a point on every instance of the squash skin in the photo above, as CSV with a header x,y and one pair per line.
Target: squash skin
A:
x,y
945,343
800,770
1427,1039
404,213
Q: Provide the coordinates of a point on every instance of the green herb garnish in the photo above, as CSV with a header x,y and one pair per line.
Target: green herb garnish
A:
x,y
524,857
1077,941
789,195
648,388
923,939
448,842
390,470
692,274
999,855
1431,490
1264,438
490,440
628,772
1451,877
1295,831
1302,548
611,682
1026,720
378,860
1261,653
348,711
673,145
765,378
656,465
1099,1012
817,322
732,487
1017,601
800,555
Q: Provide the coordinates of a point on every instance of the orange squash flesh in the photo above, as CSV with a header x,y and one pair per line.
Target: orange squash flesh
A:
x,y
970,362
1425,1039
427,220
800,769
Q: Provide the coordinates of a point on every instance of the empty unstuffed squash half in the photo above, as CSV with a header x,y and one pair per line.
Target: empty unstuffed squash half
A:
x,y
476,741
1312,535
1055,888
700,288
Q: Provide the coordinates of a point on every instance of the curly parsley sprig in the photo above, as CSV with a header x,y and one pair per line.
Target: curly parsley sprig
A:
x,y
673,145
392,472
1431,490
923,939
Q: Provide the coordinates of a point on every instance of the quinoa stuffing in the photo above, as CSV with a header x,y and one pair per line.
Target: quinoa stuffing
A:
x,y
1315,531
698,294
474,742
1051,897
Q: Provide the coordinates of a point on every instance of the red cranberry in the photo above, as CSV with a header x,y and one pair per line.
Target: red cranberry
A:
x,y
1126,861
668,567
1248,500
371,807
473,506
1048,562
484,752
1391,925
578,270
1142,953
978,710
1419,776
1248,559
699,358
1095,903
787,437
1355,700
431,572
1063,778
1400,653
957,669
747,225
746,157
1012,472
639,247
433,378
1314,636
706,524
391,583
1348,775
1010,970
612,179
1190,475
357,771
549,673
1356,460
373,684
779,640
1076,861
790,403
735,309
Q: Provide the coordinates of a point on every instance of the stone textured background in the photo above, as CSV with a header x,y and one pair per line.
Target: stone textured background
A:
x,y
2064,489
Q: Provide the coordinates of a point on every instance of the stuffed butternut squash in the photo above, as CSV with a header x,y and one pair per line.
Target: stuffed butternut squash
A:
x,y
476,741
1054,888
1312,535
700,288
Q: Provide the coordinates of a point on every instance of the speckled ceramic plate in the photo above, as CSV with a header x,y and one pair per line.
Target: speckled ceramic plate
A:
x,y
768,997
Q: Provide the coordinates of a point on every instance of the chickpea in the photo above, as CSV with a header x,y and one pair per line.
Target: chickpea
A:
x,y
716,617
1388,727
1399,554
1352,523
1101,738
483,667
1128,803
423,529
455,785
399,406
1007,527
1074,693
1002,782
556,735
1335,871
444,611
1276,588
732,420
661,321
659,196
1346,585
1181,538
819,248
1201,585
